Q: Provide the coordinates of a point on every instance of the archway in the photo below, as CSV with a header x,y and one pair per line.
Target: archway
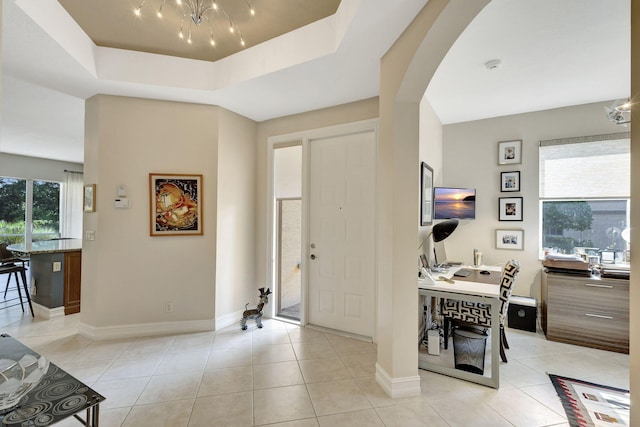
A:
x,y
406,70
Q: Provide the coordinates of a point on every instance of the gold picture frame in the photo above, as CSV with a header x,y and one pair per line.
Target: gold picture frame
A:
x,y
89,198
175,204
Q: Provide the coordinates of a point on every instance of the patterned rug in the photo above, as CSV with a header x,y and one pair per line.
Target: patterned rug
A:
x,y
588,404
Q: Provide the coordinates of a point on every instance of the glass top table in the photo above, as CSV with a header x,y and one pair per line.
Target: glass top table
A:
x,y
58,395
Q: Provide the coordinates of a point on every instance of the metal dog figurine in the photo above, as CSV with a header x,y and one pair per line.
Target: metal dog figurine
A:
x,y
256,313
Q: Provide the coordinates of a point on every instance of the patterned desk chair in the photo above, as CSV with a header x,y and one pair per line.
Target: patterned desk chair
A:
x,y
480,314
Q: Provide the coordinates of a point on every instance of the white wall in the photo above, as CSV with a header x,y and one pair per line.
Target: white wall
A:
x,y
287,167
24,167
470,160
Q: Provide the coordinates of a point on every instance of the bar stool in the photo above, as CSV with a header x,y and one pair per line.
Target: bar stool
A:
x,y
15,269
9,258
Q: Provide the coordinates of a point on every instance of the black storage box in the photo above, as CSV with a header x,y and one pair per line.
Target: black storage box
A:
x,y
522,313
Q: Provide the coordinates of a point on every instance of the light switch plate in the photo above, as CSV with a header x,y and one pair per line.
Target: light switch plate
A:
x,y
57,266
121,203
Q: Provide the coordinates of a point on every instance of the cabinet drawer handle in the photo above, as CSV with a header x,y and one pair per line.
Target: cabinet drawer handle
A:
x,y
593,285
599,316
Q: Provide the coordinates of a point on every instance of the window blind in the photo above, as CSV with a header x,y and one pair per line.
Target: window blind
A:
x,y
585,167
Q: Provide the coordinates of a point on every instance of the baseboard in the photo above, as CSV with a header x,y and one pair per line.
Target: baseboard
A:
x,y
340,333
144,329
162,328
398,387
47,313
230,320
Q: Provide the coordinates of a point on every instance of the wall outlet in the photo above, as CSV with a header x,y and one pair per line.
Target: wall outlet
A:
x,y
169,307
90,235
57,266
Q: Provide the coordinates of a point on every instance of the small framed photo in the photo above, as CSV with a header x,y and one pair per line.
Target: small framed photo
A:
x,y
426,194
510,181
89,198
510,152
510,239
510,208
175,204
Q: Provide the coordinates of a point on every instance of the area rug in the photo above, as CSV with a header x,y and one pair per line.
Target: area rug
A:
x,y
588,404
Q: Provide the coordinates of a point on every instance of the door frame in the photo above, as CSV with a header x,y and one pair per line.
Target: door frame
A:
x,y
305,138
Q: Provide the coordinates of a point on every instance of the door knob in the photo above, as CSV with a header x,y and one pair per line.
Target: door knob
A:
x,y
313,256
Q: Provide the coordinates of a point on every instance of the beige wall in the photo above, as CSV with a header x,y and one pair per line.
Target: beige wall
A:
x,y
340,114
405,73
128,276
470,160
634,305
236,280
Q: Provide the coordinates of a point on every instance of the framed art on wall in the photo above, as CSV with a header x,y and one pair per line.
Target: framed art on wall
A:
x,y
510,181
175,204
89,198
510,208
426,194
510,152
510,239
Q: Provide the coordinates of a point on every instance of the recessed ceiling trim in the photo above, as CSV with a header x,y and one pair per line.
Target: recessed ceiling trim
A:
x,y
318,39
53,19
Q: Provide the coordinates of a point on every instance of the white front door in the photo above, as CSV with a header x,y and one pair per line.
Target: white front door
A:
x,y
342,233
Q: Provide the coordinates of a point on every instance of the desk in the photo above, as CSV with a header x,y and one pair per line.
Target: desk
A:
x,y
57,397
465,290
56,267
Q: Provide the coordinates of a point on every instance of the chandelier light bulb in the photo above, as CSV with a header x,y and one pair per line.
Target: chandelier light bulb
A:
x,y
197,11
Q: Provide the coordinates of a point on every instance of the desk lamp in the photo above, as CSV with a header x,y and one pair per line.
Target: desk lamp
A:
x,y
440,231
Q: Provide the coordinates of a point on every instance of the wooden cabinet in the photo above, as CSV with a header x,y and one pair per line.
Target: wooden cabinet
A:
x,y
72,275
587,311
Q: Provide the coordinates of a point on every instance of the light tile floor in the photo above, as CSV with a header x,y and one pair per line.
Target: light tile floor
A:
x,y
285,375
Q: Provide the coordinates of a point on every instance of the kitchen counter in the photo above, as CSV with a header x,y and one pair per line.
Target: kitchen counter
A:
x,y
48,246
55,267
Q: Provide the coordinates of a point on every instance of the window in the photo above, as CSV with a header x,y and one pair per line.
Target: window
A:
x,y
29,210
584,194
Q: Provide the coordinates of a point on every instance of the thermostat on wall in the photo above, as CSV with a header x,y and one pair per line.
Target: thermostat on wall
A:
x,y
121,203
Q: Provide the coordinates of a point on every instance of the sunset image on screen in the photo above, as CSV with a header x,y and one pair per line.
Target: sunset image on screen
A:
x,y
454,203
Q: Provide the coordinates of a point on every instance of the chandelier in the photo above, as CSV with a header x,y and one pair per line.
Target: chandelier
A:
x,y
619,112
197,12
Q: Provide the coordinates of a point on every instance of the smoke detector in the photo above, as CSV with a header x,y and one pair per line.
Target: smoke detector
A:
x,y
493,64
